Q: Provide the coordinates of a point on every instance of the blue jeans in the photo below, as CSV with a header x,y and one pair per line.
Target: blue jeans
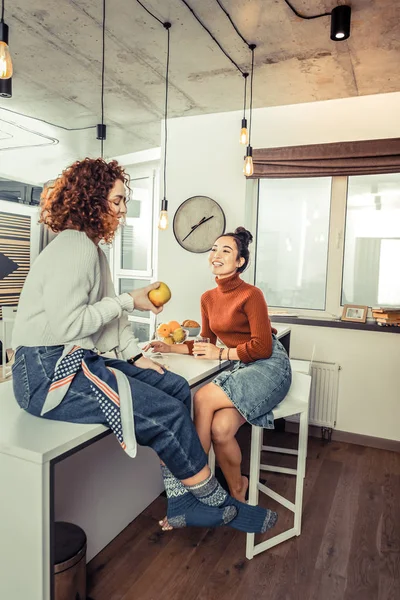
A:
x,y
161,405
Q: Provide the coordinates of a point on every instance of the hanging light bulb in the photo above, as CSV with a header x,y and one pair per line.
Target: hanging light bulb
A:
x,y
244,134
163,219
6,67
248,167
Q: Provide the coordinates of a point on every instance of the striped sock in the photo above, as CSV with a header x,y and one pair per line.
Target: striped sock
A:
x,y
185,510
251,519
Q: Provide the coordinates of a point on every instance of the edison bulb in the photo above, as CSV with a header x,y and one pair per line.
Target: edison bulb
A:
x,y
248,168
163,220
6,68
244,136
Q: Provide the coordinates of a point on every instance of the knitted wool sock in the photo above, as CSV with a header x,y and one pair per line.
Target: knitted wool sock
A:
x,y
185,510
251,519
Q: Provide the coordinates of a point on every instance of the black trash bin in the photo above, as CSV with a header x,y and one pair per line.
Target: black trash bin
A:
x,y
69,562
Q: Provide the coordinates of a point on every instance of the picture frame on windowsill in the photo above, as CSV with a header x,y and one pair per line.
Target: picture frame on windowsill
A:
x,y
355,313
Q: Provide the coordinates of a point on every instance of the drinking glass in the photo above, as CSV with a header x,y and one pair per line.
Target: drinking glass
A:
x,y
200,338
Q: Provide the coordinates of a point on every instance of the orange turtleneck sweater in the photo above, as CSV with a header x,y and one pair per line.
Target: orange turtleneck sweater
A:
x,y
236,313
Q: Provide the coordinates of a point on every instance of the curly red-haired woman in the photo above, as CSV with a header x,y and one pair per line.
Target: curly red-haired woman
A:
x,y
69,315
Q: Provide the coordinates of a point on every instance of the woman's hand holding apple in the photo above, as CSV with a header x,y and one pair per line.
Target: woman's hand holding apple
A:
x,y
141,300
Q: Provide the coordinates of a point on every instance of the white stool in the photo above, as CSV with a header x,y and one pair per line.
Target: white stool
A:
x,y
295,402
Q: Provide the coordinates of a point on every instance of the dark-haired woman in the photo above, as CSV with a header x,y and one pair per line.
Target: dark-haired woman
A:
x,y
69,314
237,314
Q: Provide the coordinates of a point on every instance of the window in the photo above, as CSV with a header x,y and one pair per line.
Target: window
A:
x,y
293,229
372,241
131,256
325,242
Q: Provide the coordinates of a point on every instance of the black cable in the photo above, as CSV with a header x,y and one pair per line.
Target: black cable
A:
x,y
150,13
2,11
103,62
167,27
327,14
53,141
252,47
245,75
232,23
212,36
47,122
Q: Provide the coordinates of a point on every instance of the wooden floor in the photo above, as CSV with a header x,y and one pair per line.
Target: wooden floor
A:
x,y
349,548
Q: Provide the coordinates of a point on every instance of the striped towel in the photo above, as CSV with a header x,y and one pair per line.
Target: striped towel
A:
x,y
109,385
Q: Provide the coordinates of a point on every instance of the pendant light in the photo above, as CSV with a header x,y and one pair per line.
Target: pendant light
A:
x,y
244,133
6,67
248,168
163,219
101,127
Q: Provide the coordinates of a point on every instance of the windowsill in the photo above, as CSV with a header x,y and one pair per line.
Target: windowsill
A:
x,y
324,322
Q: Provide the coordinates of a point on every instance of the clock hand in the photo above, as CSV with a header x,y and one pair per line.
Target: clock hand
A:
x,y
199,223
196,226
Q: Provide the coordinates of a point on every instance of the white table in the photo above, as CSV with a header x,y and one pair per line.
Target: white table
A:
x,y
29,449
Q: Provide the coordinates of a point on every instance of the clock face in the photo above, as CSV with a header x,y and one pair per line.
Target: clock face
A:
x,y
198,222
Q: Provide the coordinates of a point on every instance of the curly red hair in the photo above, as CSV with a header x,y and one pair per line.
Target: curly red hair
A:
x,y
78,199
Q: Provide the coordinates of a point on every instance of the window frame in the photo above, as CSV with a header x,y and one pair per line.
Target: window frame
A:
x,y
150,170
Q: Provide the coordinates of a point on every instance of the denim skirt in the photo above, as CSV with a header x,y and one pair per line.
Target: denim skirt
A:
x,y
256,388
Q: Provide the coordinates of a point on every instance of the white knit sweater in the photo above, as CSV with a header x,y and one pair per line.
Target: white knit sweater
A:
x,y
69,297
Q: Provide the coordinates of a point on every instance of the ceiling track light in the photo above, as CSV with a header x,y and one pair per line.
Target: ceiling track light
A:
x,y
163,219
340,20
6,88
248,167
340,23
6,67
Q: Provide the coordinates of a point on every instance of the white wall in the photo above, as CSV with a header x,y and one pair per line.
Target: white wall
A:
x,y
102,490
205,158
369,379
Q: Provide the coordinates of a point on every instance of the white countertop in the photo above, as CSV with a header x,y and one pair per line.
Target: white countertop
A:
x,y
41,440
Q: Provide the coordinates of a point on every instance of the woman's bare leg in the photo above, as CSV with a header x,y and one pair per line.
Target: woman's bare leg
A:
x,y
224,427
207,401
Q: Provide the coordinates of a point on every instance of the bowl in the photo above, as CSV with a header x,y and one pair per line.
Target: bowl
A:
x,y
192,331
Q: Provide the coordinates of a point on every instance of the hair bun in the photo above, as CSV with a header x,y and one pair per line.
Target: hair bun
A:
x,y
244,234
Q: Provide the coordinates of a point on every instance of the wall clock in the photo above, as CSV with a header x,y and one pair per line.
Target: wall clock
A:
x,y
198,222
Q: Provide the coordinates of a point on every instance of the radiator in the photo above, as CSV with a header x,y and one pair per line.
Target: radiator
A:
x,y
323,395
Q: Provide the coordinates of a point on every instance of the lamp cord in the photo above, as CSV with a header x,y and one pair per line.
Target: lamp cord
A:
x,y
245,75
103,71
2,11
232,23
167,27
251,90
326,14
14,112
150,13
212,36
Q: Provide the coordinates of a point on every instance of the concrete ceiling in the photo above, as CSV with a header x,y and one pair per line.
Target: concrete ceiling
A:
x,y
56,49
